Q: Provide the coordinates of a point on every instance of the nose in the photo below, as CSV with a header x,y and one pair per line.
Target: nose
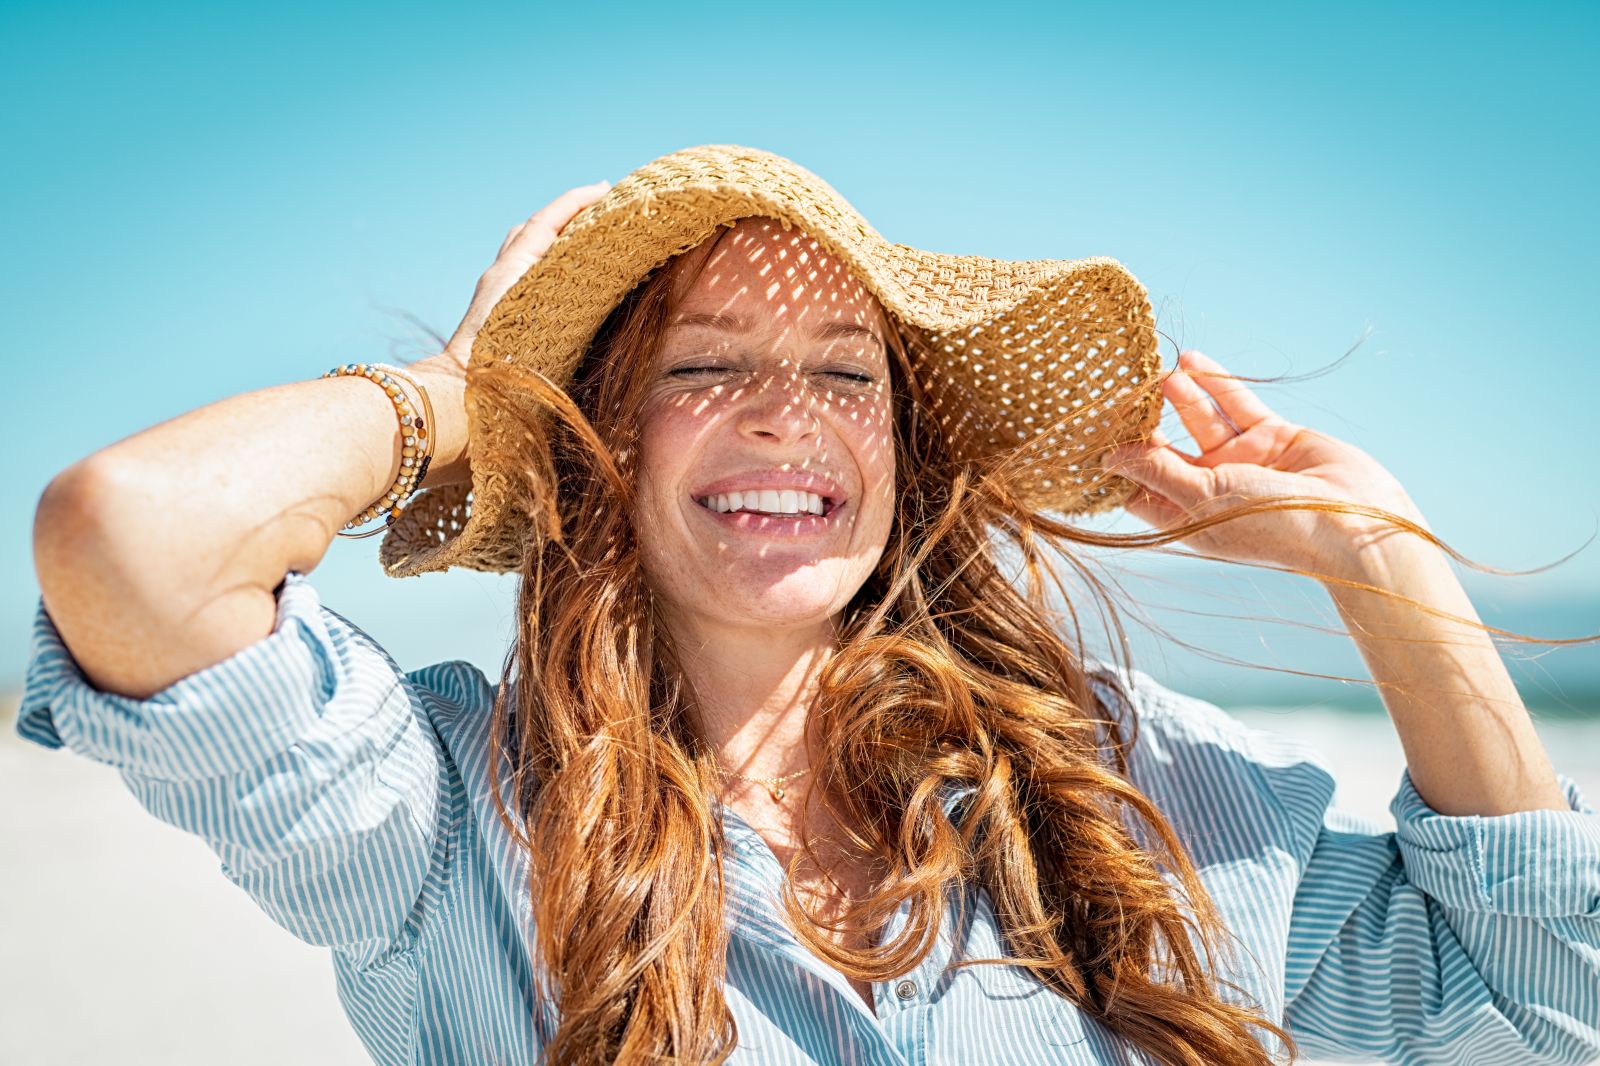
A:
x,y
779,408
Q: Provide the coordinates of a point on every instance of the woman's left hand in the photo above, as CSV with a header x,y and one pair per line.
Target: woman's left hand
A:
x,y
1268,456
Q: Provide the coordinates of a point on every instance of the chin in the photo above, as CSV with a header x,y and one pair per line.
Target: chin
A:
x,y
784,615
794,599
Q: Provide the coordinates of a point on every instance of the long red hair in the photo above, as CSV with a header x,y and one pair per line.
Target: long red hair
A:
x,y
950,671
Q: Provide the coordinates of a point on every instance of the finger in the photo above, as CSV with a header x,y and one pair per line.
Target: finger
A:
x,y
515,232
1200,414
1162,469
1136,445
535,236
1243,406
572,201
1160,438
1153,509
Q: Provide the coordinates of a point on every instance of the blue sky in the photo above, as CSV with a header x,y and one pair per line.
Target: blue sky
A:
x,y
201,200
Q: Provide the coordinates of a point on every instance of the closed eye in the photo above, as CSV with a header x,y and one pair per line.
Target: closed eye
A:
x,y
861,379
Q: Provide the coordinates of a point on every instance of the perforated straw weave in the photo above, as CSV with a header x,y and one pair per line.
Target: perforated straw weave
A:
x,y
1003,347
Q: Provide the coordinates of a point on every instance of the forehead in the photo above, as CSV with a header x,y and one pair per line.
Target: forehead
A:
x,y
761,276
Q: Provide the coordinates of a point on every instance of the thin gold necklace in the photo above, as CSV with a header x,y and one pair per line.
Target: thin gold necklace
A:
x,y
773,785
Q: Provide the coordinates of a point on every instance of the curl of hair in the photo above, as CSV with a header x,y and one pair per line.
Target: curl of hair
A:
x,y
947,674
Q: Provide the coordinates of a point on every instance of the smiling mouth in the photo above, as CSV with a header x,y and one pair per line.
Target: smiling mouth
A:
x,y
786,504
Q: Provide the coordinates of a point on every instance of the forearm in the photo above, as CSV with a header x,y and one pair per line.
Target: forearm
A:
x,y
1469,743
157,555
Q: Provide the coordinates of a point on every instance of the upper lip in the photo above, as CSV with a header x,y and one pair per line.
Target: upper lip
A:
x,y
798,480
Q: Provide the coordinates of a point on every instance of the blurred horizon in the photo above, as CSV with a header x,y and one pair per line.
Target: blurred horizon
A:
x,y
1239,637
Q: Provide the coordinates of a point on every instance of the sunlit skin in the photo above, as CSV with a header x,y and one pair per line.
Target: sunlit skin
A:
x,y
725,402
1469,742
755,612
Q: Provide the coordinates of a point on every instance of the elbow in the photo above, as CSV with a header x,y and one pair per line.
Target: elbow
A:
x,y
91,544
71,523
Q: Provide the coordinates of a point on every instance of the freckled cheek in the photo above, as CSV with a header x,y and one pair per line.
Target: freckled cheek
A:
x,y
654,444
668,436
872,439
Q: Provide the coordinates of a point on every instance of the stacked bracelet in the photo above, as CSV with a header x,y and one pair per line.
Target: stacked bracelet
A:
x,y
416,440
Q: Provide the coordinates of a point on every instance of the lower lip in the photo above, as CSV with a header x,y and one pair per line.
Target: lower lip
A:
x,y
774,525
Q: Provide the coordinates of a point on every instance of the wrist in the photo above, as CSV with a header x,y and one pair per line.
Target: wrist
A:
x,y
442,364
1371,549
1404,565
446,385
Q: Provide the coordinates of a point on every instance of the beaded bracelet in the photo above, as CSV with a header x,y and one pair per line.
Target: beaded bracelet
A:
x,y
416,441
422,440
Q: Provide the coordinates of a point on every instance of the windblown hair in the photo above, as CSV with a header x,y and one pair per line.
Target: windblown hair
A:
x,y
950,672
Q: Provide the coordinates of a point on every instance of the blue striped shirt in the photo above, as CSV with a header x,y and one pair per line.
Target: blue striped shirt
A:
x,y
350,799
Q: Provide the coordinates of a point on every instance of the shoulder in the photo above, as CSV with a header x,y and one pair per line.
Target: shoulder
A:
x,y
458,688
448,693
452,697
453,685
1203,766
1180,718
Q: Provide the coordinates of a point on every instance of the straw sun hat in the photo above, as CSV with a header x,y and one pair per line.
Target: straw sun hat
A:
x,y
1001,346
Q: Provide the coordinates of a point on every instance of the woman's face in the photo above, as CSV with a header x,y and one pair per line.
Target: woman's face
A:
x,y
770,393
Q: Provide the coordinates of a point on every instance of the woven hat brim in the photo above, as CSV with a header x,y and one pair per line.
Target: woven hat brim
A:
x,y
1005,348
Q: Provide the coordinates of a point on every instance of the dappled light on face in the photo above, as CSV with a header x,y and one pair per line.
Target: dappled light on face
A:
x,y
767,437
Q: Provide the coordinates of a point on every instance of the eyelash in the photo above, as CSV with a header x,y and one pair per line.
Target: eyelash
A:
x,y
860,379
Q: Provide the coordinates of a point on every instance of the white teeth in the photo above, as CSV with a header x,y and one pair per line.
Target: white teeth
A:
x,y
767,501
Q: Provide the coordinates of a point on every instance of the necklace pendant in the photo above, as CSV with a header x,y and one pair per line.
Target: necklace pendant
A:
x,y
776,792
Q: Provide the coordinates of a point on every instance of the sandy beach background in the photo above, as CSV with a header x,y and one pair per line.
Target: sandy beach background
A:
x,y
123,941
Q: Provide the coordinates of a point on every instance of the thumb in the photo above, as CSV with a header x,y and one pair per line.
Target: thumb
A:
x,y
1157,465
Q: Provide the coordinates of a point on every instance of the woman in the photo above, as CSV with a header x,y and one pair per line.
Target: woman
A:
x,y
774,785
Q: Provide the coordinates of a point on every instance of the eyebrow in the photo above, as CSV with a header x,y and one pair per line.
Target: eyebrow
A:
x,y
735,324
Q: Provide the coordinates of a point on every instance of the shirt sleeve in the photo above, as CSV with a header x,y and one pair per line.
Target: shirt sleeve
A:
x,y
1450,939
306,761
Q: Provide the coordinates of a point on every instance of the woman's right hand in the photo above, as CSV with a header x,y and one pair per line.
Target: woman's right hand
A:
x,y
524,245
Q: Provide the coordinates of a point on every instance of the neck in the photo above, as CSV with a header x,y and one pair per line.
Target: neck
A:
x,y
751,691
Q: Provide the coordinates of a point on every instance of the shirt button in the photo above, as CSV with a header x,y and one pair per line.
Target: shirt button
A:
x,y
906,989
